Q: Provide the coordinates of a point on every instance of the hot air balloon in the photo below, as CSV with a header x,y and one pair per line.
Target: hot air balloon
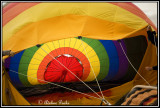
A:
x,y
75,53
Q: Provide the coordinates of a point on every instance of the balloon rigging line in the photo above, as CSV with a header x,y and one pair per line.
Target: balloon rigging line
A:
x,y
57,85
95,75
67,68
132,65
64,51
92,69
50,49
71,72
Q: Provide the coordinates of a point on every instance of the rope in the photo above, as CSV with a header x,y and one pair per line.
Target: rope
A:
x,y
56,85
132,65
71,72
95,76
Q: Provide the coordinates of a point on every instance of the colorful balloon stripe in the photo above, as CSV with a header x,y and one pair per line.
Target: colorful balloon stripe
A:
x,y
105,56
123,62
82,58
14,65
136,48
113,58
54,27
25,62
66,9
41,14
50,46
102,55
13,10
127,6
7,62
135,10
8,7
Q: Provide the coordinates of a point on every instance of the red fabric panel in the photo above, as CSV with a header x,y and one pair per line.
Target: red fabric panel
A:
x,y
57,73
57,52
8,7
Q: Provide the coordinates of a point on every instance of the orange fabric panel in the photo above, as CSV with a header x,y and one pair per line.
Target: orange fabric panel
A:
x,y
60,51
66,25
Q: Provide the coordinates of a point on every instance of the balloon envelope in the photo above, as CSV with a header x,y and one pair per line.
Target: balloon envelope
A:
x,y
42,33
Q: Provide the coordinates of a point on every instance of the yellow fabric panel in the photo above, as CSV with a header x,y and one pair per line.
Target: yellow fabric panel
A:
x,y
48,47
131,20
65,27
12,96
73,42
51,46
150,59
56,44
105,11
95,63
7,98
84,46
90,53
32,76
61,43
92,56
77,44
67,42
32,69
93,71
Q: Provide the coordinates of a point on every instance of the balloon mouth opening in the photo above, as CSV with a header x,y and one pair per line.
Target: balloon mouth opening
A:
x,y
64,68
68,55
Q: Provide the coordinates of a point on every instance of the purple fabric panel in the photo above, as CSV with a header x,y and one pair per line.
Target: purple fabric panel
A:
x,y
7,62
123,62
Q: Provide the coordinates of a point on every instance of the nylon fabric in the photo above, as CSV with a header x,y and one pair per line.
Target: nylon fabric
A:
x,y
55,72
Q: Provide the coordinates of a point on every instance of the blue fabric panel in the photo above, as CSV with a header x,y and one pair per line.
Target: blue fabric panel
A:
x,y
113,58
14,65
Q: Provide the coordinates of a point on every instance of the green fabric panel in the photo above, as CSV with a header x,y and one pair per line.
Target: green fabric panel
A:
x,y
102,55
24,63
